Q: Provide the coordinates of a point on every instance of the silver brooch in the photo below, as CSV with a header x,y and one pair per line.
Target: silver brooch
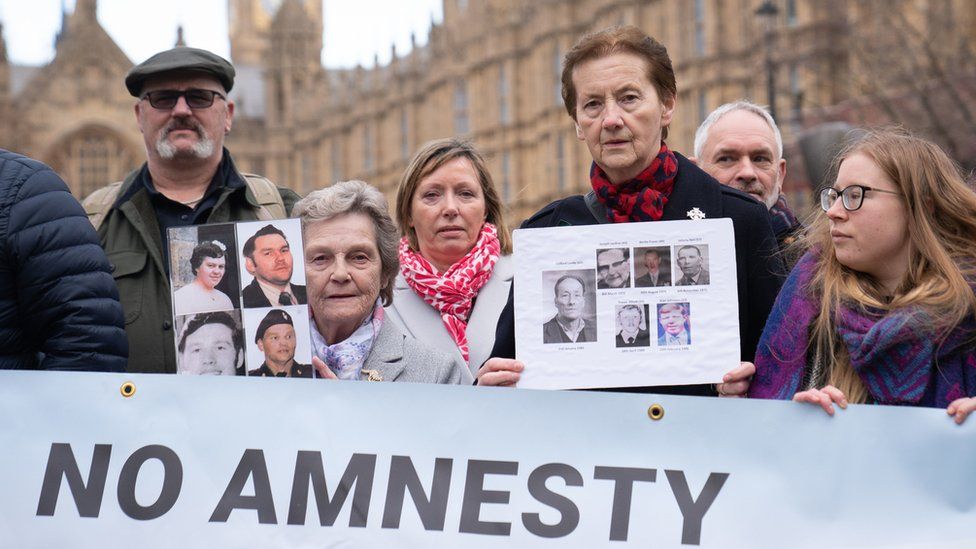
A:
x,y
696,214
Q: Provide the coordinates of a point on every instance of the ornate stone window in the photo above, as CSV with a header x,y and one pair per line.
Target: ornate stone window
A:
x,y
91,158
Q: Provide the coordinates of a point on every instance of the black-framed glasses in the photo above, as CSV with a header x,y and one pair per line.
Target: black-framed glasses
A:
x,y
195,98
851,197
606,268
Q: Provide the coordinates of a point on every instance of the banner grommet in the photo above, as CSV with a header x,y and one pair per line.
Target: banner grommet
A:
x,y
128,389
655,412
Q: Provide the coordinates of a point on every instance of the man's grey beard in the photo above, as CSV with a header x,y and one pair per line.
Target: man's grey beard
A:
x,y
204,148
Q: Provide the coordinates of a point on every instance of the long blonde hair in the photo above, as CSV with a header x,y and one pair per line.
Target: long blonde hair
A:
x,y
941,212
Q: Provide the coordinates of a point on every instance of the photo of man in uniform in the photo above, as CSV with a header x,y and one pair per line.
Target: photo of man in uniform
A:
x,y
613,268
569,326
657,261
674,327
631,328
692,266
267,257
211,344
275,337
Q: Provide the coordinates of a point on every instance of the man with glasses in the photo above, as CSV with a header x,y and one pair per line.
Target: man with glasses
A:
x,y
613,268
184,112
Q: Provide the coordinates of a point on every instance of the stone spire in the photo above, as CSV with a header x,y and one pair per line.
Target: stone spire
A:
x,y
3,47
180,40
86,10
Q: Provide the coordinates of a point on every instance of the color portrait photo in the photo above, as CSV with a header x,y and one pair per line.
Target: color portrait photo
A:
x,y
203,268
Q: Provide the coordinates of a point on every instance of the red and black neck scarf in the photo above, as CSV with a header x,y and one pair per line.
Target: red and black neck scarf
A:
x,y
643,197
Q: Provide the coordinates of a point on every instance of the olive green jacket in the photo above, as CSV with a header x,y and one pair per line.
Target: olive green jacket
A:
x,y
130,235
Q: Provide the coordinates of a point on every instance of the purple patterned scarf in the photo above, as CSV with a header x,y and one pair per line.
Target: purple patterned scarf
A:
x,y
346,358
896,355
781,217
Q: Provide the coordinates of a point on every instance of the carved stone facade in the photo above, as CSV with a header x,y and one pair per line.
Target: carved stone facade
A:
x,y
489,71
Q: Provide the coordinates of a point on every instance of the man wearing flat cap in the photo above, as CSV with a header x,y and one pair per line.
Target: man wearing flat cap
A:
x,y
183,112
276,339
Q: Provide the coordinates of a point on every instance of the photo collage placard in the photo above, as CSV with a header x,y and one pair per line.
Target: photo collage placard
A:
x,y
239,299
629,304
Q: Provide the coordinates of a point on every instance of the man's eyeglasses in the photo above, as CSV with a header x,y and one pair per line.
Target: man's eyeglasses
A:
x,y
851,197
606,268
195,98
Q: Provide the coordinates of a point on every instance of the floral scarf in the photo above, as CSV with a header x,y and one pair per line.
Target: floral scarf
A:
x,y
642,198
452,292
346,358
895,353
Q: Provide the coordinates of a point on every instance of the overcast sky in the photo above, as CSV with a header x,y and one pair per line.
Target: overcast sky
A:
x,y
355,30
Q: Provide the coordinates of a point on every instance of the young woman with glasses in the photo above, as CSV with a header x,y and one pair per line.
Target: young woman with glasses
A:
x,y
881,307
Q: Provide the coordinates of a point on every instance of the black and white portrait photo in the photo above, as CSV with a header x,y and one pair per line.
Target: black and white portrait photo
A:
x,y
632,325
613,268
571,295
693,263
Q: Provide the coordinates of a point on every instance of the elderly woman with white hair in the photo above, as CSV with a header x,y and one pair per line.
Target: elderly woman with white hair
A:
x,y
350,265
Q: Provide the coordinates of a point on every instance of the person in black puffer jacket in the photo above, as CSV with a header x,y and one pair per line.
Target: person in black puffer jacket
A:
x,y
59,306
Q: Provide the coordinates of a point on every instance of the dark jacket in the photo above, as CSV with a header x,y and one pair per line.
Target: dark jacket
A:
x,y
297,370
131,238
759,270
663,279
643,339
552,332
59,308
253,296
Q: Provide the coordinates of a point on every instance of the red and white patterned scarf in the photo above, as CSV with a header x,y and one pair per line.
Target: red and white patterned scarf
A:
x,y
452,293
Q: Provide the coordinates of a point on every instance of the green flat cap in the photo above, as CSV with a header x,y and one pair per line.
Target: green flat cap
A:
x,y
180,58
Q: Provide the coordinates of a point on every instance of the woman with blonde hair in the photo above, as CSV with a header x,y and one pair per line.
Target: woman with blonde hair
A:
x,y
881,307
455,254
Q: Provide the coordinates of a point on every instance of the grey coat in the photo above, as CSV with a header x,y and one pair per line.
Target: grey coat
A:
x,y
396,356
416,318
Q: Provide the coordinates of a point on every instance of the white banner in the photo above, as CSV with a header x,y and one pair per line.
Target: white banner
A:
x,y
191,461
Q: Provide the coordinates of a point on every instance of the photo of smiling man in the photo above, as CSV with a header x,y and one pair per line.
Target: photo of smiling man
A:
x,y
674,324
268,258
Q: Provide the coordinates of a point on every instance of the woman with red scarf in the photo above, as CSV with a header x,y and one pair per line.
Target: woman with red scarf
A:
x,y
618,86
455,268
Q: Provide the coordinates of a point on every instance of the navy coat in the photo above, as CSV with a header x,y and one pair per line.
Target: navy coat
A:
x,y
59,306
759,269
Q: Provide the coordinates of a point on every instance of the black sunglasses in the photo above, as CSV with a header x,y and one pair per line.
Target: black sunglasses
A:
x,y
195,98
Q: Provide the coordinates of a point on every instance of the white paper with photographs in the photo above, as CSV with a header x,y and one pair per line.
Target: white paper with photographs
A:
x,y
239,300
627,304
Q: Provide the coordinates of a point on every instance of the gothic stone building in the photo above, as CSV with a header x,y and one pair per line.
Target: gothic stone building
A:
x,y
490,71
